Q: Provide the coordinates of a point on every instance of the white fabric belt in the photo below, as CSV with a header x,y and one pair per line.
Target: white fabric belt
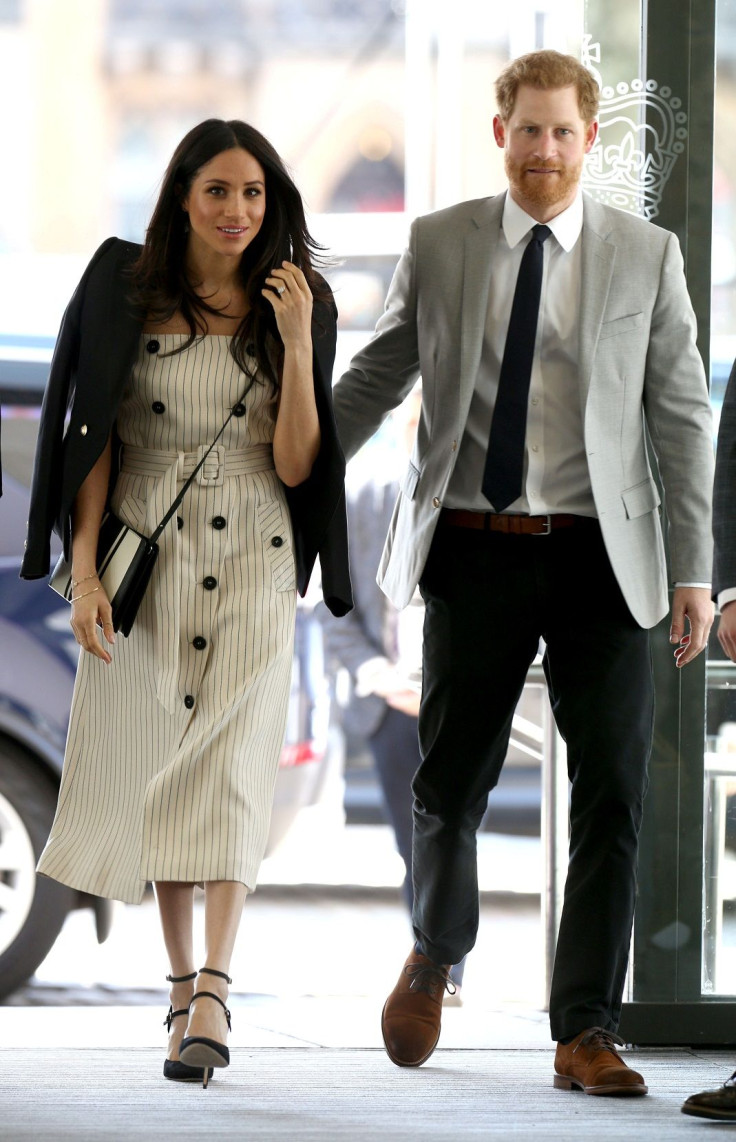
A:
x,y
220,463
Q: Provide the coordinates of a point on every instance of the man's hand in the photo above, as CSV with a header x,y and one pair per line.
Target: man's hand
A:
x,y
695,604
727,629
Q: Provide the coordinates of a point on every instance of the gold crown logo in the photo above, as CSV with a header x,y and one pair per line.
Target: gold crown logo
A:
x,y
642,131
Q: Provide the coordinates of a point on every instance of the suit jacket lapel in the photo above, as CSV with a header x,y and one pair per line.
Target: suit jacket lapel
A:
x,y
481,242
598,258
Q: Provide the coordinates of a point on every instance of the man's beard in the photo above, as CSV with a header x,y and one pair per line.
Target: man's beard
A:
x,y
540,190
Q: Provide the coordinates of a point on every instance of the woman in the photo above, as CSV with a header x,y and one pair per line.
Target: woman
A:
x,y
175,732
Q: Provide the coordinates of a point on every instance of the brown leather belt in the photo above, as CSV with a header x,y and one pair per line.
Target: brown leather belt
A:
x,y
510,524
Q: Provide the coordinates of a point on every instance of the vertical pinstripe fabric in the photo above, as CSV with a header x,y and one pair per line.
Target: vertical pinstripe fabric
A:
x,y
153,787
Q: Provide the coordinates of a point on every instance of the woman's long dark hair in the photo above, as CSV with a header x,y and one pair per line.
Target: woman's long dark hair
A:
x,y
160,284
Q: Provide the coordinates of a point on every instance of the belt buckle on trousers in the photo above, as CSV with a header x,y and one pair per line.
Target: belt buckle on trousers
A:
x,y
547,519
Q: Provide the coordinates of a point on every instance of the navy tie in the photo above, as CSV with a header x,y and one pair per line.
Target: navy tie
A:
x,y
502,478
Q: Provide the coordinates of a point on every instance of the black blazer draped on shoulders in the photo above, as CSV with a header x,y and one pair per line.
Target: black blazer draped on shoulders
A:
x,y
92,362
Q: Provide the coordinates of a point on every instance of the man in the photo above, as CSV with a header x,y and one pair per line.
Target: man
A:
x,y
720,1104
529,510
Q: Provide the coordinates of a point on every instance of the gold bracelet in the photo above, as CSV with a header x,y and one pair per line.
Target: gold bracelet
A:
x,y
84,594
76,582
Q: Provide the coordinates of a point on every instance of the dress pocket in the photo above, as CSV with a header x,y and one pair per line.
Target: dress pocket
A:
x,y
277,546
130,509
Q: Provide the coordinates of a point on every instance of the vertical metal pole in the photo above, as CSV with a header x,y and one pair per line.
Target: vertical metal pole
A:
x,y
555,832
449,112
419,106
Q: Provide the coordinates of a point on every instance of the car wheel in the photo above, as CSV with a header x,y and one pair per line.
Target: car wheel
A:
x,y
32,909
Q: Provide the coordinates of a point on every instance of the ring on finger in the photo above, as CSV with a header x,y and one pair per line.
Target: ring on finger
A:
x,y
280,290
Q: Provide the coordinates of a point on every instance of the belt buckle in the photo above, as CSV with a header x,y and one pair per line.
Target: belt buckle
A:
x,y
216,454
547,525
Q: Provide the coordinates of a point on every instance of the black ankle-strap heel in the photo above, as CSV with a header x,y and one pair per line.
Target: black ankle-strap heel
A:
x,y
174,1069
197,1051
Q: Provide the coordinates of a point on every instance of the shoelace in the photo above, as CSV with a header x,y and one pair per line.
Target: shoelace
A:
x,y
603,1040
427,978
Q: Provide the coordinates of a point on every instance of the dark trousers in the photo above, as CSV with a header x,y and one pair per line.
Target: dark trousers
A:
x,y
489,598
395,749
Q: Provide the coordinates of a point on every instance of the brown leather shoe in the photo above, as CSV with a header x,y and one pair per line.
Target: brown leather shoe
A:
x,y
592,1064
717,1104
410,1022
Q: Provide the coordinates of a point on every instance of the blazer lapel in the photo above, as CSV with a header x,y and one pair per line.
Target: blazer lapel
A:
x,y
480,247
598,258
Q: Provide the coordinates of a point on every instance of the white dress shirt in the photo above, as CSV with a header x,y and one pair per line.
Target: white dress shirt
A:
x,y
726,596
556,477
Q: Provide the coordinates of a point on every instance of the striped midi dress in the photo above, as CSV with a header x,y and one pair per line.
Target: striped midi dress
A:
x,y
173,748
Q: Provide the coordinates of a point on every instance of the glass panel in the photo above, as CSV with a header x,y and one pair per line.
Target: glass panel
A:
x,y
719,906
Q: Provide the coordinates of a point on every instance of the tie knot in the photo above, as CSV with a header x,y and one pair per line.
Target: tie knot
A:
x,y
540,232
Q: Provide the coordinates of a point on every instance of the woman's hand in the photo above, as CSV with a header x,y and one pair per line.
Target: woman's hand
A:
x,y
91,609
296,438
291,299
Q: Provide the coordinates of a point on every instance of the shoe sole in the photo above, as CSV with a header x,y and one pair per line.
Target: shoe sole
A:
x,y
563,1082
202,1055
403,1062
714,1115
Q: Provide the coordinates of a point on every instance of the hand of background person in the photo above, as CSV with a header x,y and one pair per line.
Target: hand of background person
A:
x,y
292,306
391,685
90,612
727,630
695,605
405,701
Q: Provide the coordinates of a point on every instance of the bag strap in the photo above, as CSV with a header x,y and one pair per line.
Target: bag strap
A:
x,y
172,510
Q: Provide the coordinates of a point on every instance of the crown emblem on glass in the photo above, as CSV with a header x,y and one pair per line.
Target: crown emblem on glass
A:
x,y
642,131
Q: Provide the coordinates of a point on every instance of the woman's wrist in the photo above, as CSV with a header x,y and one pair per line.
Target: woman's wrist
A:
x,y
299,350
79,578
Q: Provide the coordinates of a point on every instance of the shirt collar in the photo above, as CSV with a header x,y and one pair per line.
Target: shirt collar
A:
x,y
566,227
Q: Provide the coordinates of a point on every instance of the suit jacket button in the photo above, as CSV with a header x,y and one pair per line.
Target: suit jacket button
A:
x,y
153,346
209,583
83,430
179,522
436,502
277,541
158,406
188,701
199,643
219,522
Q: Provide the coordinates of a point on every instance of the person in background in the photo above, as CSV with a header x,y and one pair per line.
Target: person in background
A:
x,y
380,647
720,1103
550,332
175,732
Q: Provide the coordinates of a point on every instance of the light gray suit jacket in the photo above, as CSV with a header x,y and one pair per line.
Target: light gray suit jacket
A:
x,y
638,363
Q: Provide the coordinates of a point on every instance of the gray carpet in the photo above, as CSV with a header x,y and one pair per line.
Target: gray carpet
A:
x,y
315,1095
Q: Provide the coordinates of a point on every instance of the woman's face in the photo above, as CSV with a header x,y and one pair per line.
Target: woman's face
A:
x,y
226,204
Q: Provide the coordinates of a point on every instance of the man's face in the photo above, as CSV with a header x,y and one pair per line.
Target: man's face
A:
x,y
544,142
